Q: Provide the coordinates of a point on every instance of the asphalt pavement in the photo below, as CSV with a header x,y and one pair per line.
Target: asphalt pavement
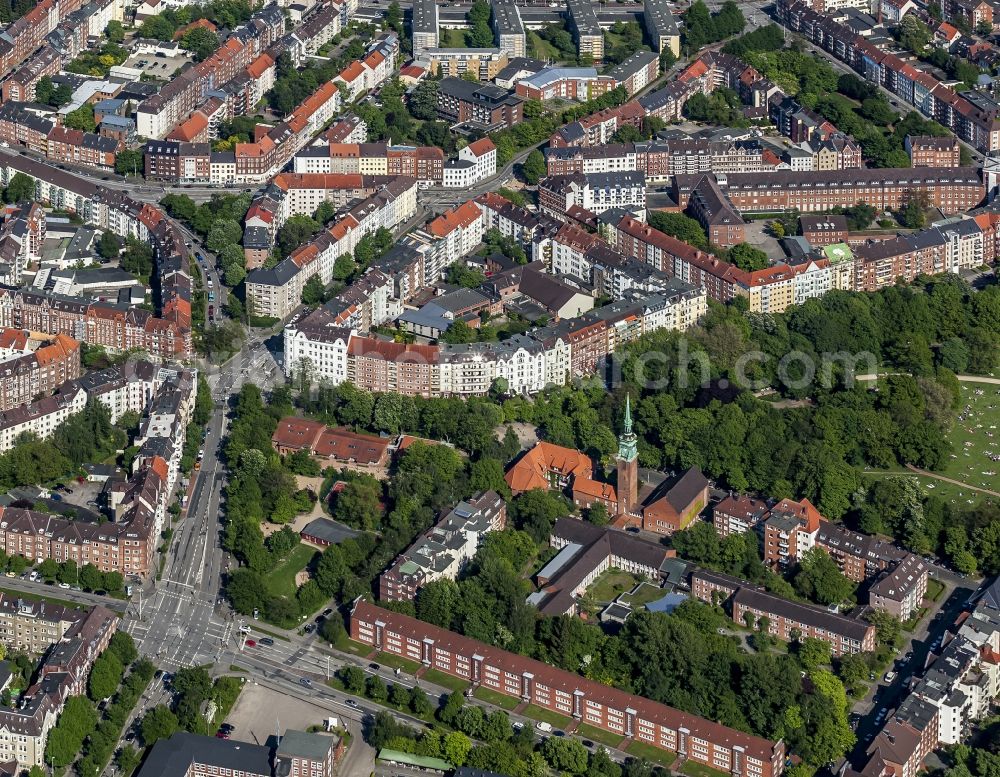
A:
x,y
65,594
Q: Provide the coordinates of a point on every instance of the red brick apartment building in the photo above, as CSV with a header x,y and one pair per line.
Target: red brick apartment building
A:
x,y
953,190
927,151
844,635
624,714
784,618
824,230
25,377
425,163
710,206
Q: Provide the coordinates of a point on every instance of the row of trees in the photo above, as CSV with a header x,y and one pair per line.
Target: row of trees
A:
x,y
219,223
193,688
702,27
80,730
222,13
500,748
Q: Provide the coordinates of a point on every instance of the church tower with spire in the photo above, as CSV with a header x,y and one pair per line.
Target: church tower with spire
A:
x,y
628,464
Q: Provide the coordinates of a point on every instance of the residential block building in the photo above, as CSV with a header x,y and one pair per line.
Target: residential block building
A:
x,y
566,693
442,551
927,151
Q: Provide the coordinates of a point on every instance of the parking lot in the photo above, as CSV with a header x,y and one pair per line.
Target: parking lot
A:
x,y
259,710
84,495
162,67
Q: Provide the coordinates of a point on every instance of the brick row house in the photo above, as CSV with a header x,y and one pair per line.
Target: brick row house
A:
x,y
19,127
623,714
782,618
165,334
971,115
789,529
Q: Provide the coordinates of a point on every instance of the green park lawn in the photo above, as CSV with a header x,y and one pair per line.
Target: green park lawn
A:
x,y
397,662
535,712
281,581
653,754
437,677
973,441
606,738
495,698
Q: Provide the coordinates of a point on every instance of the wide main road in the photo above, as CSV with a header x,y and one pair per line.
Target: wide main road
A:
x,y
174,621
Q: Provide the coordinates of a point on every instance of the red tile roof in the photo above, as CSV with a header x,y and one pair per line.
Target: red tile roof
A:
x,y
296,433
457,218
530,471
482,146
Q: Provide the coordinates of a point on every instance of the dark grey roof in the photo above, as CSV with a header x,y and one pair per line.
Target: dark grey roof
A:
x,y
328,530
425,16
278,275
518,65
300,744
807,614
174,756
506,18
256,237
632,65
545,289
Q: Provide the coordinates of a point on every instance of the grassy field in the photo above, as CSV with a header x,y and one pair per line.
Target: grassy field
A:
x,y
348,645
695,769
452,39
610,584
281,581
606,738
397,662
651,753
934,590
540,49
647,593
975,437
535,712
495,698
444,680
